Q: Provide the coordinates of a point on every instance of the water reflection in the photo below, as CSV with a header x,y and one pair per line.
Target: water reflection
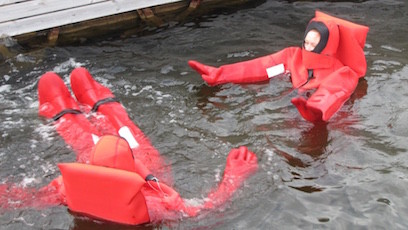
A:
x,y
84,223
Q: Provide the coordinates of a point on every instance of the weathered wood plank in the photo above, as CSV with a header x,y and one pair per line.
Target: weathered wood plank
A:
x,y
33,8
6,2
74,15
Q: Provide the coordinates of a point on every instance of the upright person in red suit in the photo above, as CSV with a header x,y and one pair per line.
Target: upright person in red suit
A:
x,y
329,63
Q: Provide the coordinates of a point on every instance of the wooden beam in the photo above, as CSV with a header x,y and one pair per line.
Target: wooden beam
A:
x,y
74,15
33,8
147,15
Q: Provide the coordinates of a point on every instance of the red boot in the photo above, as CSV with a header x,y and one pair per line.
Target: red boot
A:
x,y
56,103
54,97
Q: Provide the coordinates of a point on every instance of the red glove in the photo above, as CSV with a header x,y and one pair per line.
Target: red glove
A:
x,y
208,73
241,163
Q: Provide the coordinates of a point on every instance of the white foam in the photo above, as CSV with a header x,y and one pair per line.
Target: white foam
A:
x,y
390,48
24,58
48,168
5,88
45,131
240,54
67,65
167,69
27,181
146,88
194,202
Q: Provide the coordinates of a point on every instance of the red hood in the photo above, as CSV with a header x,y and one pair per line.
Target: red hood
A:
x,y
329,32
114,152
348,40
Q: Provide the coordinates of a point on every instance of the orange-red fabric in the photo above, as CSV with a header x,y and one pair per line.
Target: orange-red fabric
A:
x,y
105,193
54,97
339,64
352,40
254,70
88,92
329,97
114,152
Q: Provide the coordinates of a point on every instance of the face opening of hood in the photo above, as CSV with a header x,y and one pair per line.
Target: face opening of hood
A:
x,y
324,35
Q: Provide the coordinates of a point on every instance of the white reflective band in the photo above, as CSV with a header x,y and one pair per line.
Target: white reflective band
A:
x,y
125,133
275,70
95,138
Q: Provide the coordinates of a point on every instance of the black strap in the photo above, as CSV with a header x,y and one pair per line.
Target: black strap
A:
x,y
65,111
103,101
310,74
150,177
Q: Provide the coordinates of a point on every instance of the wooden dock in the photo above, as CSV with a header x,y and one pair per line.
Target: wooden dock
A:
x,y
34,22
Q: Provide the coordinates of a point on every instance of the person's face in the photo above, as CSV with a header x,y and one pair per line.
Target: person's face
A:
x,y
311,40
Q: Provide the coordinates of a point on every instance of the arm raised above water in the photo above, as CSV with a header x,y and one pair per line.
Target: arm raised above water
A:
x,y
165,203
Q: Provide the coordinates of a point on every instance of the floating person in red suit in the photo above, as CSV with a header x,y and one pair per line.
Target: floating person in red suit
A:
x,y
329,64
119,176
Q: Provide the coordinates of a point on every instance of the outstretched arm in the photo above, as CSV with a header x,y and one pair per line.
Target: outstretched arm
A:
x,y
14,196
165,203
241,163
251,71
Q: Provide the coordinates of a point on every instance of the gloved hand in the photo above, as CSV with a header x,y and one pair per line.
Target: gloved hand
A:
x,y
240,163
208,73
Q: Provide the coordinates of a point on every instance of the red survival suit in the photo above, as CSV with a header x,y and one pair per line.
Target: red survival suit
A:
x,y
113,179
333,68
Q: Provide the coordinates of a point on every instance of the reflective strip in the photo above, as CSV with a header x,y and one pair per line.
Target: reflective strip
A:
x,y
275,70
95,138
127,134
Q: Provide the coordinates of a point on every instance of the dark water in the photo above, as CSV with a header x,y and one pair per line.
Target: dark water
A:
x,y
348,174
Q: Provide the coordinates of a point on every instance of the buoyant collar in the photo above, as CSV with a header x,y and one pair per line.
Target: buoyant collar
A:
x,y
351,40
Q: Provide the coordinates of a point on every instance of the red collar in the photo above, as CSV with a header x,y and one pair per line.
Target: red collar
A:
x,y
313,60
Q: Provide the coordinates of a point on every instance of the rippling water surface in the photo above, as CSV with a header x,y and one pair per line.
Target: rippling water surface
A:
x,y
348,174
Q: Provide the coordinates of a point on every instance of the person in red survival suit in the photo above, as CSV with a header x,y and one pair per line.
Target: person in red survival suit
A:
x,y
330,61
114,176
